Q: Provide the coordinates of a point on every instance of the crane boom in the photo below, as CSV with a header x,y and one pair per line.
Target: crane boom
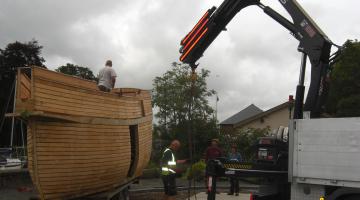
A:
x,y
313,43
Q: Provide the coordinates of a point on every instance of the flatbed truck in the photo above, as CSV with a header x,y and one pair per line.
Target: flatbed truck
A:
x,y
323,154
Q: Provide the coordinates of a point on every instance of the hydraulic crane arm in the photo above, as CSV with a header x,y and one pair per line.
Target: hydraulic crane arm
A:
x,y
312,43
208,28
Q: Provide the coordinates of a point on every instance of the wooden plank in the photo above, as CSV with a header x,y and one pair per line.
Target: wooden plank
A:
x,y
80,135
55,138
74,133
68,174
85,111
72,145
63,78
83,166
106,131
81,190
127,113
30,153
63,186
78,159
24,92
102,149
70,91
83,161
85,105
82,127
114,142
118,151
79,153
35,176
145,138
90,177
58,175
95,132
119,167
131,92
22,106
85,182
93,120
76,98
81,96
68,111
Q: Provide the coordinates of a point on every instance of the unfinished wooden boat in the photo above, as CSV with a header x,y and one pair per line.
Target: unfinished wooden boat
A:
x,y
81,140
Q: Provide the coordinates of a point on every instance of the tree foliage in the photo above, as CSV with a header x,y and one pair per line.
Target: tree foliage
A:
x,y
19,54
75,70
344,94
183,107
243,139
14,55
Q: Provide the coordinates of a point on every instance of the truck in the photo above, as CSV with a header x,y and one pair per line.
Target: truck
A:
x,y
320,158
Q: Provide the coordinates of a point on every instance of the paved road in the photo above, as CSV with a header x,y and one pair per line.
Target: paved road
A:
x,y
19,187
157,183
222,196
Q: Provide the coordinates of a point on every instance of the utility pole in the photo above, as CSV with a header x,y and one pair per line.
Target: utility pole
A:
x,y
216,107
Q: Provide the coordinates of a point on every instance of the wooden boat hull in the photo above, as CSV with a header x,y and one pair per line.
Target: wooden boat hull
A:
x,y
80,140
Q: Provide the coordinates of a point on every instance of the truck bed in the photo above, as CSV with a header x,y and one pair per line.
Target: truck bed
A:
x,y
325,151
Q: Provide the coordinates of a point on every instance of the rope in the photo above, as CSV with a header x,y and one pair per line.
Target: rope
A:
x,y
7,105
190,126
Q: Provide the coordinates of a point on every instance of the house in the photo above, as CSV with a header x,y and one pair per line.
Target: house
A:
x,y
254,117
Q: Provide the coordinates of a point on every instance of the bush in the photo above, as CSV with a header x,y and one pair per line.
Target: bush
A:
x,y
196,171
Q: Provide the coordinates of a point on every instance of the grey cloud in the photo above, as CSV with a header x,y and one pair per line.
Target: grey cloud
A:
x,y
255,61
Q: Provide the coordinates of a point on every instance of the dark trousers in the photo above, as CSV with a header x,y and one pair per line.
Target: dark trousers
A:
x,y
103,88
169,182
234,185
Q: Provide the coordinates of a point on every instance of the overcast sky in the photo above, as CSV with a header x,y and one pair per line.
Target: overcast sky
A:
x,y
255,61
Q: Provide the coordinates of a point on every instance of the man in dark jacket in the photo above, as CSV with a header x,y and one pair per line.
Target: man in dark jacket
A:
x,y
213,151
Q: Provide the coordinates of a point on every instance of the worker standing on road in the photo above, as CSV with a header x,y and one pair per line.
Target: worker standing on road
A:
x,y
234,156
168,167
106,77
212,152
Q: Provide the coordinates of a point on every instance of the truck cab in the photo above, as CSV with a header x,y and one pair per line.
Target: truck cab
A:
x,y
271,154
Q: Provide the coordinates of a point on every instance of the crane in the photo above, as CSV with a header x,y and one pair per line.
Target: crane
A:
x,y
313,44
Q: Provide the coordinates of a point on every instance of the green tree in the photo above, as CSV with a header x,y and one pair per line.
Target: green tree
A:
x,y
19,54
14,55
244,139
183,108
344,93
75,70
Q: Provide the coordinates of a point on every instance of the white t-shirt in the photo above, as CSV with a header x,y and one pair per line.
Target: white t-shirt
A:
x,y
105,75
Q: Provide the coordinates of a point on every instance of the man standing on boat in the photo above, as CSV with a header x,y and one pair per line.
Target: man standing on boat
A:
x,y
107,77
168,167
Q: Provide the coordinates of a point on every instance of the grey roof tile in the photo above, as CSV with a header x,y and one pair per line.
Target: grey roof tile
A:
x,y
244,114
